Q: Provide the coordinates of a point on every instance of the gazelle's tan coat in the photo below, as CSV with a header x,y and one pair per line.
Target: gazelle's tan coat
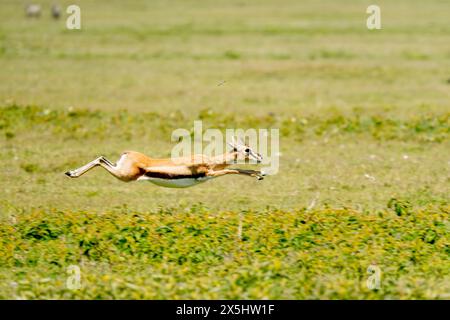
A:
x,y
177,172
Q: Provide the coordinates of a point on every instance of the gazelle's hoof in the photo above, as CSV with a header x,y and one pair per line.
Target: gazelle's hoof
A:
x,y
261,175
70,174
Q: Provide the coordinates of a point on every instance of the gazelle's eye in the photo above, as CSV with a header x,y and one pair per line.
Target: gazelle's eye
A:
x,y
247,150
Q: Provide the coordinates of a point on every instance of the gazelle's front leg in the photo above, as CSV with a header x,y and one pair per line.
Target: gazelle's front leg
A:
x,y
252,173
100,161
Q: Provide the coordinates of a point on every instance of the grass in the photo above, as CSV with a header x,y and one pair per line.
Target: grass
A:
x,y
321,156
364,121
200,254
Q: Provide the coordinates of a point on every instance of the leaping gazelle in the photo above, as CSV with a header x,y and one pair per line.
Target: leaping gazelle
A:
x,y
178,172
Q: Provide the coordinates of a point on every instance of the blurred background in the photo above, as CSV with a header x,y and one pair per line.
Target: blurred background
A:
x,y
279,56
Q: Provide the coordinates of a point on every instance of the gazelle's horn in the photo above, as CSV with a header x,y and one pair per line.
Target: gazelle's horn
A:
x,y
232,143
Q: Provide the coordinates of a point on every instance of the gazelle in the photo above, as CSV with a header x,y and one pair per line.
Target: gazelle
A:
x,y
177,172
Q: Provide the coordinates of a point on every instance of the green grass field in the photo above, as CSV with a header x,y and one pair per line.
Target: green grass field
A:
x,y
364,120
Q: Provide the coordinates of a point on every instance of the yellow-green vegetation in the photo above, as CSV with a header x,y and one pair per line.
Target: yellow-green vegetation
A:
x,y
197,253
364,120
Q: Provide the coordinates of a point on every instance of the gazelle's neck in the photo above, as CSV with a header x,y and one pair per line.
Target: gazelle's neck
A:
x,y
226,158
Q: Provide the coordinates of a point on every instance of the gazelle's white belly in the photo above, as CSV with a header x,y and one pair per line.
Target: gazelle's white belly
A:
x,y
175,183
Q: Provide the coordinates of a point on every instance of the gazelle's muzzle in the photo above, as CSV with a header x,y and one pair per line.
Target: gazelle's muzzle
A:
x,y
255,156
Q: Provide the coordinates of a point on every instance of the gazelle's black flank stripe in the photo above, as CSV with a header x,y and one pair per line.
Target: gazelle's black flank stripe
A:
x,y
171,176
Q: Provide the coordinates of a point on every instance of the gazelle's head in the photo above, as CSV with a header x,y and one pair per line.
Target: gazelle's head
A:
x,y
244,151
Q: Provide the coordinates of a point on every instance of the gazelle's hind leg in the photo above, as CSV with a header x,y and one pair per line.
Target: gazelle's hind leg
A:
x,y
100,161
